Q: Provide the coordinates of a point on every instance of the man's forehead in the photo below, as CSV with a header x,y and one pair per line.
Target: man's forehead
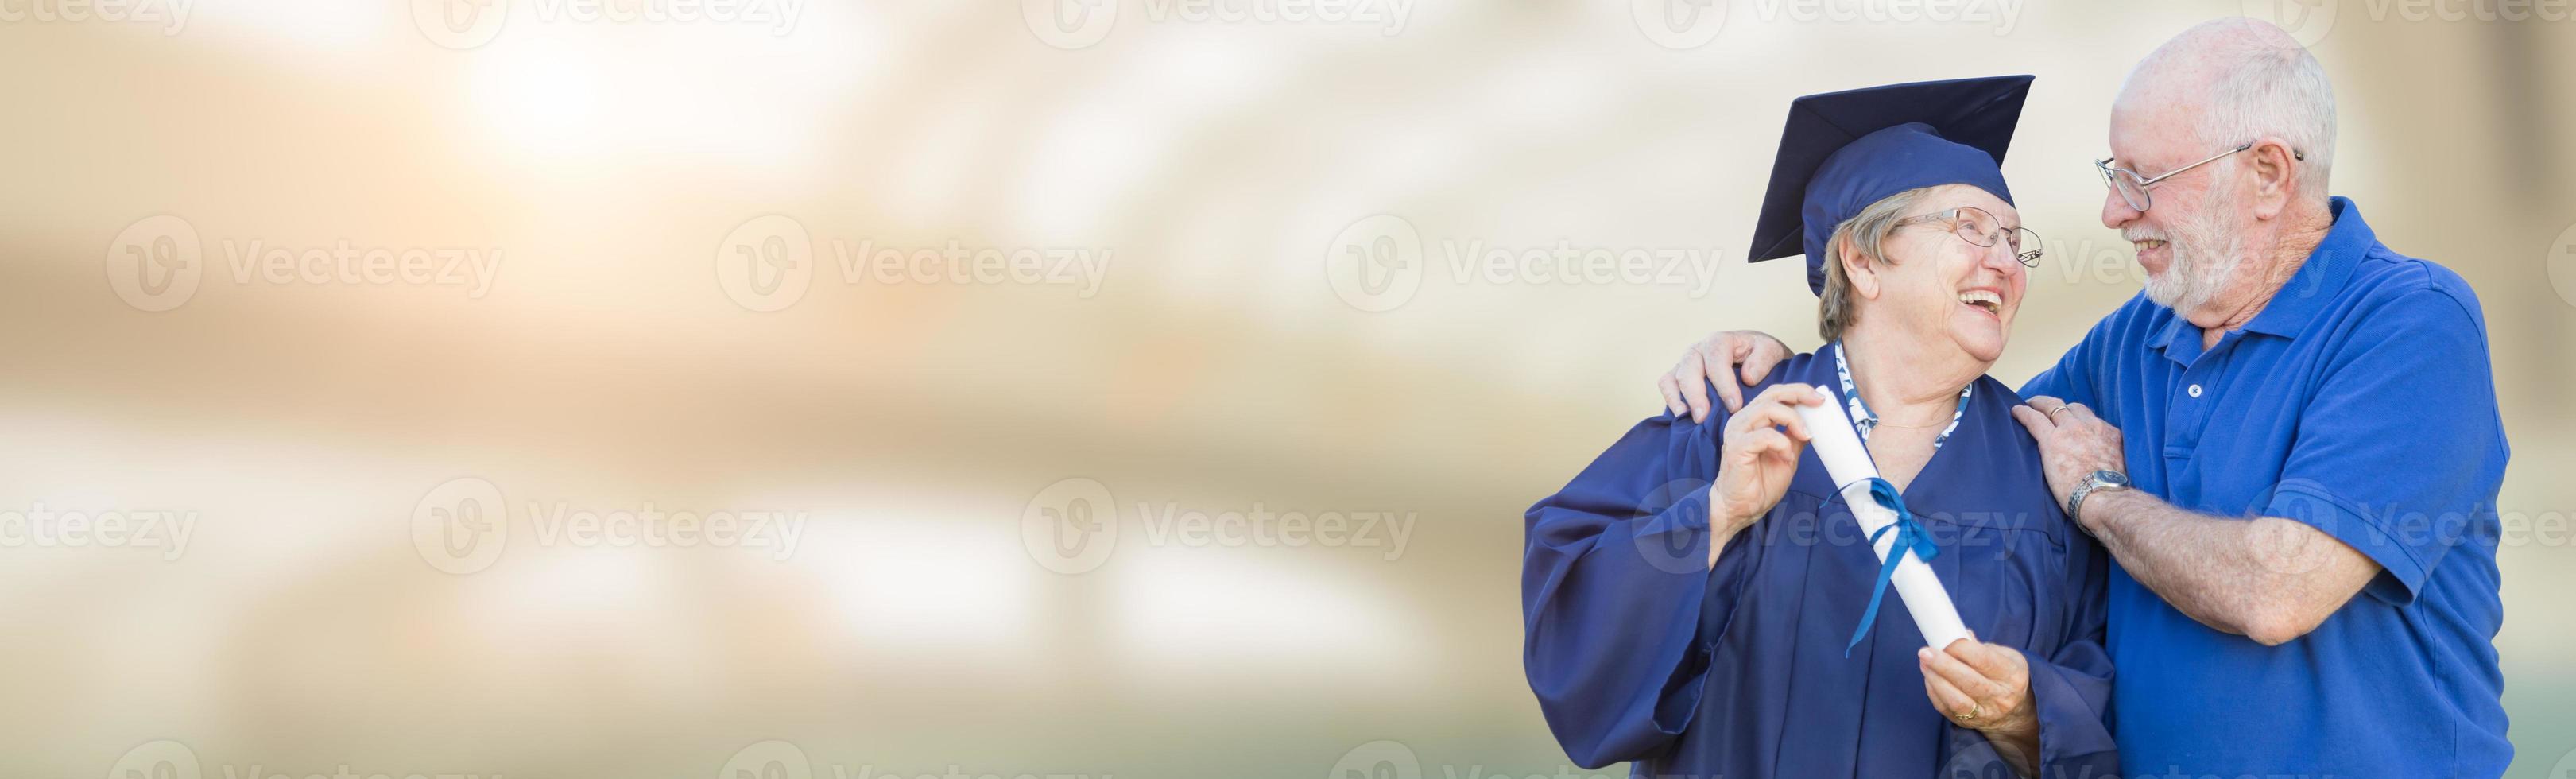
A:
x,y
2149,127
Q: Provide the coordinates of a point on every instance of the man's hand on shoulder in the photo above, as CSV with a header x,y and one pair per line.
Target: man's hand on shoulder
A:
x,y
1730,360
2073,443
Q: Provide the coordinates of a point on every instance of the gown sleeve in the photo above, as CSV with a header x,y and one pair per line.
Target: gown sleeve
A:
x,y
2070,687
1614,585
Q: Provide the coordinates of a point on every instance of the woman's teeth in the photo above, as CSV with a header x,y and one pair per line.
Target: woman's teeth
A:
x,y
1992,303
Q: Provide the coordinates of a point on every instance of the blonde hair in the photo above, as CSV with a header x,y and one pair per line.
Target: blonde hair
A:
x,y
1837,308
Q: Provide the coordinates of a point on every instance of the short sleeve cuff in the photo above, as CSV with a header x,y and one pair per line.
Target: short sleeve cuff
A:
x,y
2402,575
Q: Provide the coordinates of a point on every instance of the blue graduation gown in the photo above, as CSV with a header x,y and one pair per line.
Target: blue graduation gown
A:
x,y
1639,652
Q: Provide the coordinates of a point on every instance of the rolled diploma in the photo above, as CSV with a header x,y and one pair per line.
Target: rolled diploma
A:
x,y
1849,464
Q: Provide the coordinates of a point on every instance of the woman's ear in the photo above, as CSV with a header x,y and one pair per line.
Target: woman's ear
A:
x,y
1857,269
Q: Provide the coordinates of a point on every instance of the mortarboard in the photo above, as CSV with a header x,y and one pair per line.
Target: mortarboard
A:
x,y
1843,151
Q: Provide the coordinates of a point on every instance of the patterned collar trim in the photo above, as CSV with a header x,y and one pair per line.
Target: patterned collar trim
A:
x,y
1864,421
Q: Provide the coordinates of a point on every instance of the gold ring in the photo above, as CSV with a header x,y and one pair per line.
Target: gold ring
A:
x,y
1975,709
2052,413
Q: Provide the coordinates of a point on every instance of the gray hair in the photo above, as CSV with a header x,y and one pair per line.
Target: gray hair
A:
x,y
2257,82
1867,231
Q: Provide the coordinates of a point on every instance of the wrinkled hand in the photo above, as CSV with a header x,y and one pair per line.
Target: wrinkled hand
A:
x,y
1759,454
1708,362
2073,443
1984,687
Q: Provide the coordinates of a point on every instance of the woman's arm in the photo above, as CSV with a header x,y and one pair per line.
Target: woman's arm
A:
x,y
1614,581
1623,564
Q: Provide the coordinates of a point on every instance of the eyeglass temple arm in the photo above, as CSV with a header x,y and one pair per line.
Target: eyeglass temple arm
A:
x,y
2105,164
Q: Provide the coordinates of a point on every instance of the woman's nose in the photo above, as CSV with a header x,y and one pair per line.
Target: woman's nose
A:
x,y
2003,257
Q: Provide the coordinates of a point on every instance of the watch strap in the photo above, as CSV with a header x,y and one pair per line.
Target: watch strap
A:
x,y
2092,483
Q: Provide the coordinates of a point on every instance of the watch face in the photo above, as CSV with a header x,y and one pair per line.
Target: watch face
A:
x,y
2111,477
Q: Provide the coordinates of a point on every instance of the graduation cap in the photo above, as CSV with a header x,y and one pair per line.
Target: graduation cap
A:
x,y
1843,151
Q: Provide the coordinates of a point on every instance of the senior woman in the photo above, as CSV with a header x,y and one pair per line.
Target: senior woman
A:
x,y
1700,601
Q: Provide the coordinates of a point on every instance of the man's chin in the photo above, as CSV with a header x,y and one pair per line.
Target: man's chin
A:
x,y
2162,289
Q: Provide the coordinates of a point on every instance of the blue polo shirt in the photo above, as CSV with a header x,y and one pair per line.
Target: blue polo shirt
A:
x,y
2359,401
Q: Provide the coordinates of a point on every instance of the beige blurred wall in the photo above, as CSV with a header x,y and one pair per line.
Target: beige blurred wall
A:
x,y
629,182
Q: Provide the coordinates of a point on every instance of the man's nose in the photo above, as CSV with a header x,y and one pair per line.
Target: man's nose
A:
x,y
2116,212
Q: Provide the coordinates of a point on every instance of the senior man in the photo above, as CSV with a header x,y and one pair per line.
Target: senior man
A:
x,y
2288,441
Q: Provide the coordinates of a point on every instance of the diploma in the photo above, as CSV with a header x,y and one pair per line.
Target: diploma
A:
x,y
1848,463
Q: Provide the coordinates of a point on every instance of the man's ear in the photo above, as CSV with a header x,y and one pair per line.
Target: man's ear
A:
x,y
1857,269
2275,167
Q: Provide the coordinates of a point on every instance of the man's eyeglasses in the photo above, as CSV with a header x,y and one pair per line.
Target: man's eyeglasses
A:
x,y
1981,228
2133,187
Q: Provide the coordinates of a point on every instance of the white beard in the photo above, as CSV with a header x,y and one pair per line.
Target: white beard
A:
x,y
2206,251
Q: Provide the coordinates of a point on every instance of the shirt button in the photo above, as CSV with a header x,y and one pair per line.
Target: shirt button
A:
x,y
2195,390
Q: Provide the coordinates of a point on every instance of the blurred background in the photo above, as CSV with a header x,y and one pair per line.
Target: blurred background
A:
x,y
1100,388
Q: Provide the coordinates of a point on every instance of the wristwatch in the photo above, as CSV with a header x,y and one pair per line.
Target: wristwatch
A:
x,y
2100,480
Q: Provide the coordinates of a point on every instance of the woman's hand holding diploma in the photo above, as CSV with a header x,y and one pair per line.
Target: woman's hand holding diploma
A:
x,y
1760,453
1986,688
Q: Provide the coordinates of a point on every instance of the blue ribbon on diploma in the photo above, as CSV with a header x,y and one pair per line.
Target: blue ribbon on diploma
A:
x,y
1910,538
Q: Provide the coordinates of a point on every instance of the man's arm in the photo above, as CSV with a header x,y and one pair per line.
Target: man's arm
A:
x,y
2267,578
1732,359
2402,423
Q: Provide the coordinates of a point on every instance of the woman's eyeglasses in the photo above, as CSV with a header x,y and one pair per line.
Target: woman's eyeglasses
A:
x,y
1981,228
